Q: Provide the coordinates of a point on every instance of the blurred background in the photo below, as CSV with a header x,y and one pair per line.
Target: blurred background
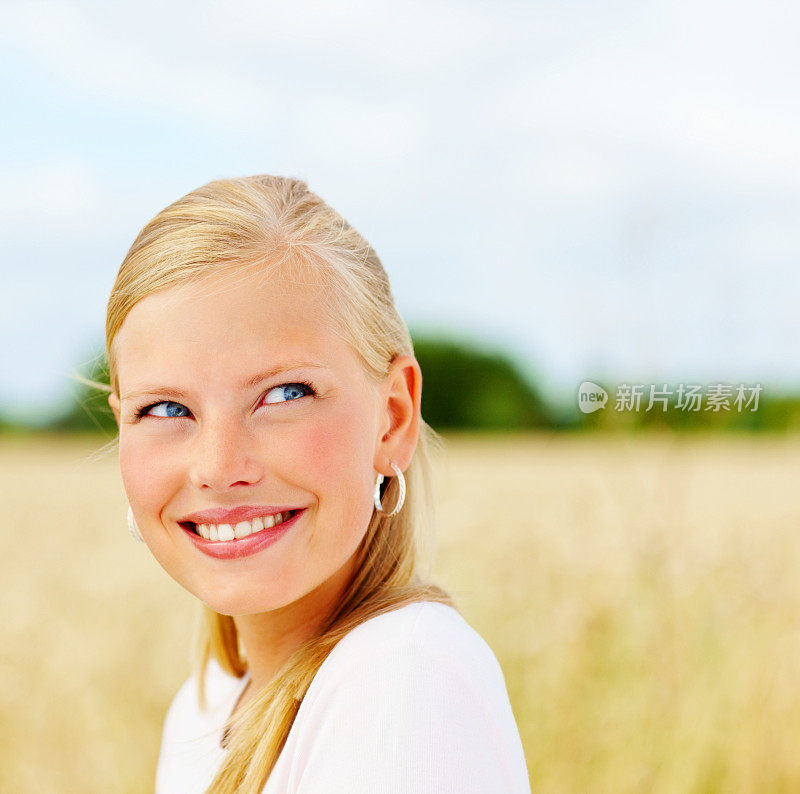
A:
x,y
576,203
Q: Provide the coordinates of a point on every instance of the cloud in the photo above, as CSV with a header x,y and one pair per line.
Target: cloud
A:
x,y
50,196
708,85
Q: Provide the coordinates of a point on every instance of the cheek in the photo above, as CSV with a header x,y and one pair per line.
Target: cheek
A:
x,y
339,474
145,473
339,449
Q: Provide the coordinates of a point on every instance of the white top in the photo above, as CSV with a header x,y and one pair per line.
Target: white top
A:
x,y
412,701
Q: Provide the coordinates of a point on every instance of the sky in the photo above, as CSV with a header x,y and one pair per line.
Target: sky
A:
x,y
602,190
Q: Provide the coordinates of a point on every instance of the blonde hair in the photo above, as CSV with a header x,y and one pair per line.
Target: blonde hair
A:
x,y
232,226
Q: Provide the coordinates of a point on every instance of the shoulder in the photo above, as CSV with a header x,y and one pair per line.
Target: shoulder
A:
x,y
185,714
419,652
420,621
427,635
190,753
411,700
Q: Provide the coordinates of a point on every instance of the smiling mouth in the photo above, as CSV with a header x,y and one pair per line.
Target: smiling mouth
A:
x,y
243,529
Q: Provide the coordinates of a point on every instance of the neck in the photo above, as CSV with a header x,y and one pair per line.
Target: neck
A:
x,y
270,638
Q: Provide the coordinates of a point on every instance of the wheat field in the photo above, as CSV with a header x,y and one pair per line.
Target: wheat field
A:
x,y
641,595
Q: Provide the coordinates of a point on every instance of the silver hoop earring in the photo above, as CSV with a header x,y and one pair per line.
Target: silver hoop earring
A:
x,y
132,528
401,481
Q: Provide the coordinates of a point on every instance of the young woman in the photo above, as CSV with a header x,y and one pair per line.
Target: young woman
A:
x,y
275,461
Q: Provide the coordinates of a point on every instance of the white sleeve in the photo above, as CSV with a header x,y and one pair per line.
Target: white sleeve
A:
x,y
406,719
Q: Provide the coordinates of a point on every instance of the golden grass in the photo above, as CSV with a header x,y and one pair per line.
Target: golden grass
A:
x,y
641,594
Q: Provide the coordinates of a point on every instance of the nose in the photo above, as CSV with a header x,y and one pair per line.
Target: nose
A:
x,y
224,455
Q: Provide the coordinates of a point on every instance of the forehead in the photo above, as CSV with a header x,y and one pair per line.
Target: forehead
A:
x,y
223,325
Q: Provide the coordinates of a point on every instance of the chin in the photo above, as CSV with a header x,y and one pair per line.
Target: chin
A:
x,y
239,602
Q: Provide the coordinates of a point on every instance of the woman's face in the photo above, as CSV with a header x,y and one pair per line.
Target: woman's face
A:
x,y
214,434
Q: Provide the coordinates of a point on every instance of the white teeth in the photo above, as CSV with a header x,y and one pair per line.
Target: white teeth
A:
x,y
242,529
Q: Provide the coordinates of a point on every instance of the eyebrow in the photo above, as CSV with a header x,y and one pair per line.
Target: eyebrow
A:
x,y
246,384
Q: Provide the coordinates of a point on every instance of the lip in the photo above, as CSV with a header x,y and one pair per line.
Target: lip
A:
x,y
244,547
233,515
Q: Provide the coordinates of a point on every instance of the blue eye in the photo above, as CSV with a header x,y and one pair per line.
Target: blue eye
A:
x,y
289,391
170,410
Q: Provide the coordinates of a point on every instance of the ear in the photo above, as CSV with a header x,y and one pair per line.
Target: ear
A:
x,y
402,394
113,401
